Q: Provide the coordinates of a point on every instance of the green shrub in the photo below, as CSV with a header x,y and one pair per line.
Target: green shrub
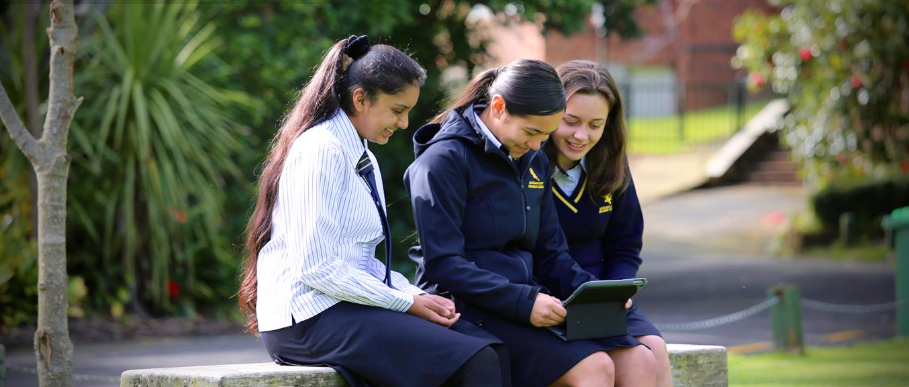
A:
x,y
868,201
845,68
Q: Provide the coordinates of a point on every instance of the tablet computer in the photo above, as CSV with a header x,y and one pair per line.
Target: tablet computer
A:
x,y
596,309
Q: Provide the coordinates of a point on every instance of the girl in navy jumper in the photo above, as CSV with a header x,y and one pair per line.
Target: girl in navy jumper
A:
x,y
490,235
312,287
594,194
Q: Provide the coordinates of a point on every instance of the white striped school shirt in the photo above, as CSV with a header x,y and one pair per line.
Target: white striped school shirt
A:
x,y
325,229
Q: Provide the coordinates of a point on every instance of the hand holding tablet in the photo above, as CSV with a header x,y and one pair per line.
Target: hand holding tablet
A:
x,y
597,309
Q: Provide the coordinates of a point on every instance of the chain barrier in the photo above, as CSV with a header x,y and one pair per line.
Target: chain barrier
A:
x,y
770,302
852,309
76,377
718,321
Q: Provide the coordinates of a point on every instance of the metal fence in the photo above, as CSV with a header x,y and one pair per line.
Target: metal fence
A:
x,y
670,117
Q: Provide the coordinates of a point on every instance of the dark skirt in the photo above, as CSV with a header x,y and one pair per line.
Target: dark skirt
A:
x,y
377,347
638,324
538,357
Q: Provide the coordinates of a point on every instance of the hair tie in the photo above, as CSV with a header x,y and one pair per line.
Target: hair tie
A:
x,y
354,48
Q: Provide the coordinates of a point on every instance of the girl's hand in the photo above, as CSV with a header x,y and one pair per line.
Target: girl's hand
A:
x,y
547,311
448,304
425,306
628,304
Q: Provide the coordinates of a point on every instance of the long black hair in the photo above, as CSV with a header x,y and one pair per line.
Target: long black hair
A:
x,y
350,64
529,87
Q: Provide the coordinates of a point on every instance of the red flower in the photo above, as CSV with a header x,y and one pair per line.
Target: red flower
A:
x,y
856,81
805,54
904,166
173,289
178,215
842,158
843,44
906,65
756,79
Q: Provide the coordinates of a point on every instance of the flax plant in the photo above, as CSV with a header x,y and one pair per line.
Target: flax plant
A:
x,y
158,145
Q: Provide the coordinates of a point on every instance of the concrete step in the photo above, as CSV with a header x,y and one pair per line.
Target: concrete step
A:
x,y
778,155
777,166
761,176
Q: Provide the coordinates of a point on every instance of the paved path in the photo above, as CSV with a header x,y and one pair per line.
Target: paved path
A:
x,y
704,256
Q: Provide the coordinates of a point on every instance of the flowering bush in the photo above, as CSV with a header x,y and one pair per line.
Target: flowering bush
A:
x,y
845,67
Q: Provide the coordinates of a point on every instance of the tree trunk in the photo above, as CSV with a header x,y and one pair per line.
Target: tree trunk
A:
x,y
29,13
53,348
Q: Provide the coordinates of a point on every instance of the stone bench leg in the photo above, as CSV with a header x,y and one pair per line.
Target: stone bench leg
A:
x,y
698,365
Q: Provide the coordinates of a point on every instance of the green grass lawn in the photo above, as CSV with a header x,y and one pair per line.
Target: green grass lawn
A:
x,y
662,135
861,252
875,364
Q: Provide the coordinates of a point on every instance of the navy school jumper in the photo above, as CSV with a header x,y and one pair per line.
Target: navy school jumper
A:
x,y
604,232
488,226
604,237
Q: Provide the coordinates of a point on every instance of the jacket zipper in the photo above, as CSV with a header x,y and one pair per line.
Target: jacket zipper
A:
x,y
523,197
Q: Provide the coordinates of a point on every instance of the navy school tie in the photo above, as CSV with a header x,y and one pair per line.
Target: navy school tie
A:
x,y
364,168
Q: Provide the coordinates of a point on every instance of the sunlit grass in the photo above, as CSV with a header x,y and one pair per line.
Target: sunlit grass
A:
x,y
665,135
875,364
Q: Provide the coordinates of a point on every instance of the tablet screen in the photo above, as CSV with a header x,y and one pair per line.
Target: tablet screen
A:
x,y
606,291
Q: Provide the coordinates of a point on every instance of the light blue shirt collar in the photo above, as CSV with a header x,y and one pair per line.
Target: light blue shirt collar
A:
x,y
488,134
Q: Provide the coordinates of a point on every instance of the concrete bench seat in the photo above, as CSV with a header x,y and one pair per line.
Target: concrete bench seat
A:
x,y
692,366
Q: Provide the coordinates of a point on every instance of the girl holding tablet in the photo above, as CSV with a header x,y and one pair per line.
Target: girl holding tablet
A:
x,y
312,287
490,236
594,194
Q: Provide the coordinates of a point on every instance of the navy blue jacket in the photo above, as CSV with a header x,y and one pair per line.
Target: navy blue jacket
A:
x,y
604,233
488,226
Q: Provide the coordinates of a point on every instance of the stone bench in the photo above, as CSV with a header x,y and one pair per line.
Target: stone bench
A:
x,y
692,366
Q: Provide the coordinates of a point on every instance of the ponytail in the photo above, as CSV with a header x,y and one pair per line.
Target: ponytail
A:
x,y
476,91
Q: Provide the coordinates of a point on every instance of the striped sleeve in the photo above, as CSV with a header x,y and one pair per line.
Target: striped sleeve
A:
x,y
309,196
398,280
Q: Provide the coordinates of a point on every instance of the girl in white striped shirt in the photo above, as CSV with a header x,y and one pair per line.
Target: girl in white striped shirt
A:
x,y
312,287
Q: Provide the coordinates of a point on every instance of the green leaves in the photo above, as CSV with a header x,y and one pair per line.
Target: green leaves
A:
x,y
845,66
158,143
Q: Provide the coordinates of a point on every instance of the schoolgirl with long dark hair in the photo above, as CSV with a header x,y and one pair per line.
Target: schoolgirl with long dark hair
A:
x,y
312,287
489,233
595,195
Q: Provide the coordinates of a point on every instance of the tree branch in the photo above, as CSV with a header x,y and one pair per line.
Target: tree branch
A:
x,y
17,130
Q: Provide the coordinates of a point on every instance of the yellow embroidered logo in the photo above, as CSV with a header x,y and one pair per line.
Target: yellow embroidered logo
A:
x,y
537,184
608,206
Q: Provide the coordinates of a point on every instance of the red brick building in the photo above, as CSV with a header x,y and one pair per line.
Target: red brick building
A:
x,y
688,41
683,59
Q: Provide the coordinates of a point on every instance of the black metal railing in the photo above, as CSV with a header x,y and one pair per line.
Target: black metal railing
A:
x,y
668,117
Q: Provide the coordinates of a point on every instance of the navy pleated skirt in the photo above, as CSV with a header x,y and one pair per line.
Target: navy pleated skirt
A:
x,y
538,357
638,324
377,347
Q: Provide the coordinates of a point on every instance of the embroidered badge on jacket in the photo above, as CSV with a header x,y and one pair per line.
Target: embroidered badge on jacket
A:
x,y
536,183
608,206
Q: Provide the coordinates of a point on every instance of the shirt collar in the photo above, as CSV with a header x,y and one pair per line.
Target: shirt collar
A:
x,y
581,167
488,133
351,143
